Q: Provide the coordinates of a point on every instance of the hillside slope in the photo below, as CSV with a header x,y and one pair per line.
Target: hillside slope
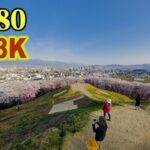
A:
x,y
95,93
32,127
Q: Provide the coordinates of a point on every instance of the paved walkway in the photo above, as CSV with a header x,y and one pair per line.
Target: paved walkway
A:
x,y
64,106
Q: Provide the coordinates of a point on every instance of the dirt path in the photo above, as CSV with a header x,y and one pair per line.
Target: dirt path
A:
x,y
82,89
128,130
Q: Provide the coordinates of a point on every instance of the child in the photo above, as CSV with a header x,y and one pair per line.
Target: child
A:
x,y
106,108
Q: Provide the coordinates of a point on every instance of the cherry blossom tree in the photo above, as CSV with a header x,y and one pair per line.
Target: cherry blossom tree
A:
x,y
14,91
131,89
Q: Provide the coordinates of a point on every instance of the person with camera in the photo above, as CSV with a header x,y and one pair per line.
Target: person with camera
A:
x,y
100,130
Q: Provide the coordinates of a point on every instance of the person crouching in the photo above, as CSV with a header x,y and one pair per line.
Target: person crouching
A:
x,y
107,108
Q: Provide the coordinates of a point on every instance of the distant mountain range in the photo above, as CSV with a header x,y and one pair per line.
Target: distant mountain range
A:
x,y
128,67
43,63
38,63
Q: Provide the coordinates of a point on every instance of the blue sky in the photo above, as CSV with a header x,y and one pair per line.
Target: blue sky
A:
x,y
86,31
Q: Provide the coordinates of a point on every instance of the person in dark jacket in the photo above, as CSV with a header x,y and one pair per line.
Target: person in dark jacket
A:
x,y
100,130
138,101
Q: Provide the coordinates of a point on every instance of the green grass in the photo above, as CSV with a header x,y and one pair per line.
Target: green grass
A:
x,y
145,104
131,79
146,79
25,123
70,94
101,95
125,77
32,127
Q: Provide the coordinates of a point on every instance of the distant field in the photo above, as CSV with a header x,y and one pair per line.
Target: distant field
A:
x,y
131,79
32,127
126,78
147,80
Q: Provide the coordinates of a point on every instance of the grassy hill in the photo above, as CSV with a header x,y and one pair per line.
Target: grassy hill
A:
x,y
33,128
95,94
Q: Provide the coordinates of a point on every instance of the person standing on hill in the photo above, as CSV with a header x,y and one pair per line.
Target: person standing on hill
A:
x,y
100,130
138,101
18,107
107,108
